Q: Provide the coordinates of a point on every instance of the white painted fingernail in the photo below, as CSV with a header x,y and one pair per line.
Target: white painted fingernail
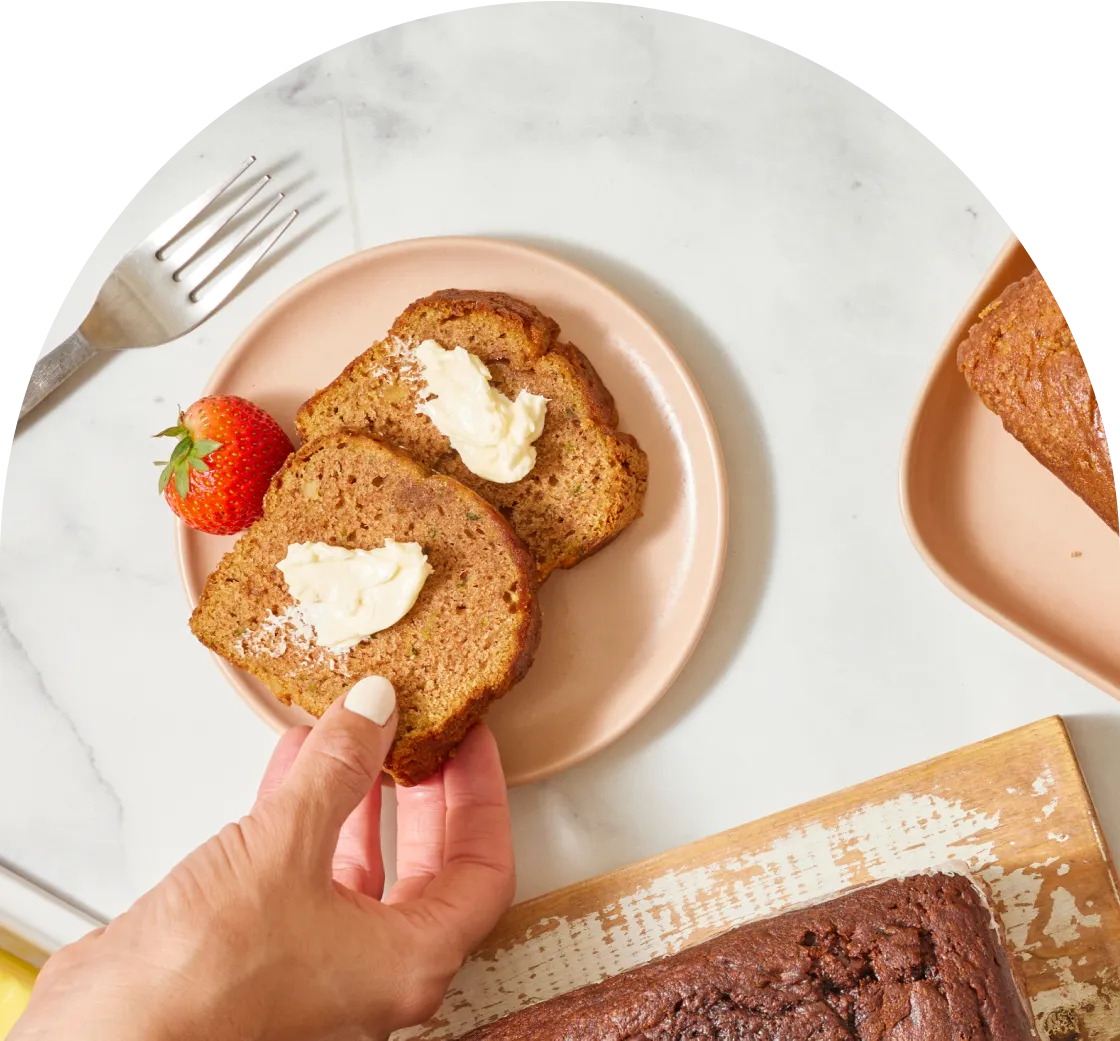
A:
x,y
372,697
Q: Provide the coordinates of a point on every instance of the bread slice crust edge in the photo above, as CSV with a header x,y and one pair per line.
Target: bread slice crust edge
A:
x,y
1021,359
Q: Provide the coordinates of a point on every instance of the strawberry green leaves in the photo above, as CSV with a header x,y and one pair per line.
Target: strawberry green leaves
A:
x,y
187,455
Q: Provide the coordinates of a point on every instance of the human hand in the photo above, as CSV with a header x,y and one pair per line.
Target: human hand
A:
x,y
276,928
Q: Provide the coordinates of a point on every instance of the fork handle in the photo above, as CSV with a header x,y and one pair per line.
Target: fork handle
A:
x,y
54,369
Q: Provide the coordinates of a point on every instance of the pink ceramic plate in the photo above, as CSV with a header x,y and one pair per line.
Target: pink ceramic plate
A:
x,y
997,527
617,629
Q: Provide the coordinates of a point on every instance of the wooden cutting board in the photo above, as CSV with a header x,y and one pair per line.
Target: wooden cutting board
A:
x,y
1014,809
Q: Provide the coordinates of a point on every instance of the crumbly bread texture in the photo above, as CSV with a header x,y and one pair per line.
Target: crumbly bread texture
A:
x,y
914,959
1021,358
470,636
589,479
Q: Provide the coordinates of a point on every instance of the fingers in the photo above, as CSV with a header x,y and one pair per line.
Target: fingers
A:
x,y
283,755
421,826
476,882
357,860
340,763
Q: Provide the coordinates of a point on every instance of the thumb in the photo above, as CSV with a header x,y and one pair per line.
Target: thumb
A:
x,y
341,760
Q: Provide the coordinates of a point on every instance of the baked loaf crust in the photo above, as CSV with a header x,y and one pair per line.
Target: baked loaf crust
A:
x,y
470,636
589,479
1021,358
914,959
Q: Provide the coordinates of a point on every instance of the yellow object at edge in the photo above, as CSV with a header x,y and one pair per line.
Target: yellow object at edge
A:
x,y
16,980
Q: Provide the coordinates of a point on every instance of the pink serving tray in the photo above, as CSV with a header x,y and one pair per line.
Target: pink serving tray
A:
x,y
997,527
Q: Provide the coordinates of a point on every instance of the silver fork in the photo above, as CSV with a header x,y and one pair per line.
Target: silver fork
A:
x,y
150,298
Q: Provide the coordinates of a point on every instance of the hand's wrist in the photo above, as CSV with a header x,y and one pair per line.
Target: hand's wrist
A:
x,y
169,1007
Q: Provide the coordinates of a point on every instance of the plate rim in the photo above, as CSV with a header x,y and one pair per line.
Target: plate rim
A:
x,y
717,538
907,463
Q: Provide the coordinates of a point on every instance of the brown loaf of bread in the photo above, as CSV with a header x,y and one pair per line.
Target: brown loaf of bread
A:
x,y
469,637
1021,359
589,478
914,959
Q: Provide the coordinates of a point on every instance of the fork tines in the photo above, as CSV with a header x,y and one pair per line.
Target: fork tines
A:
x,y
191,241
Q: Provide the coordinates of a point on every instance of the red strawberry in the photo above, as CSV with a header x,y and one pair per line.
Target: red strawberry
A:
x,y
227,451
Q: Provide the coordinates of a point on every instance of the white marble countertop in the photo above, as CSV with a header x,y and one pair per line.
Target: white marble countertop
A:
x,y
803,248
